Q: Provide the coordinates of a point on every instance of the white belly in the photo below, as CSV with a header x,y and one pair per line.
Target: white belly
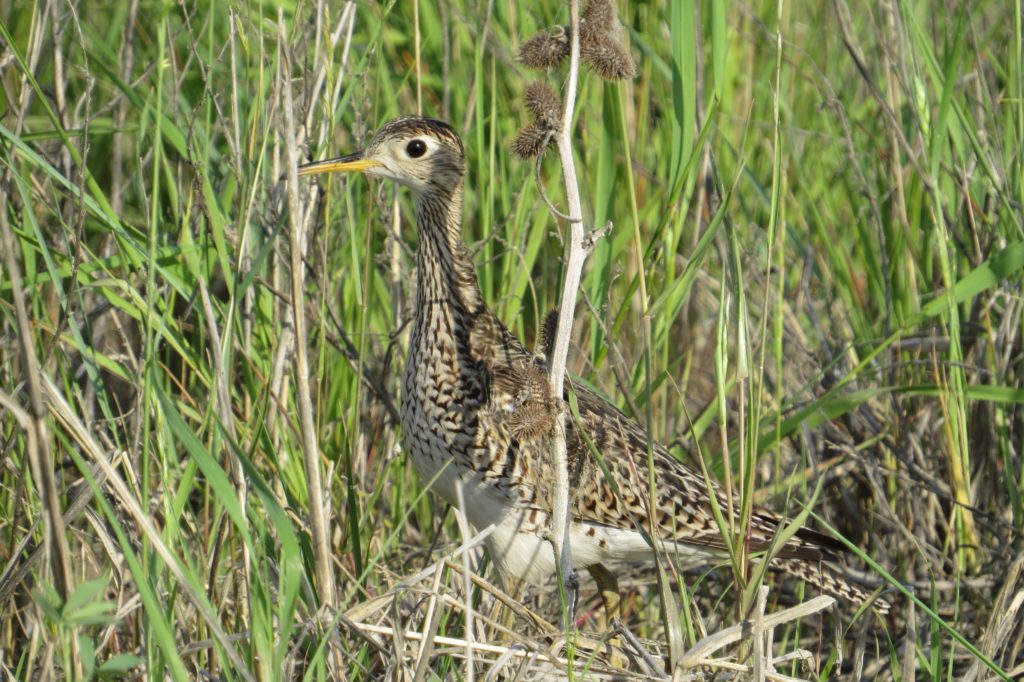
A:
x,y
518,544
530,557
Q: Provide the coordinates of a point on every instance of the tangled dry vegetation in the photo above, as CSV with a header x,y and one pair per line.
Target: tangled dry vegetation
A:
x,y
812,285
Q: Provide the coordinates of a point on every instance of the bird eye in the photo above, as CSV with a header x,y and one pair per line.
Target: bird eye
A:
x,y
416,148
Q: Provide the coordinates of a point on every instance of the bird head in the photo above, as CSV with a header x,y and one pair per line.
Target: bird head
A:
x,y
423,154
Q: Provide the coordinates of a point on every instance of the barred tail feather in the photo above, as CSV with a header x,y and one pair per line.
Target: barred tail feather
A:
x,y
826,578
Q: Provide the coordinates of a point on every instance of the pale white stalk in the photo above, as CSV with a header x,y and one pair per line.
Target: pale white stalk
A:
x,y
559,530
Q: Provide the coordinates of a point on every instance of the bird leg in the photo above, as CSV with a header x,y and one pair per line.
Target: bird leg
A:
x,y
608,585
514,588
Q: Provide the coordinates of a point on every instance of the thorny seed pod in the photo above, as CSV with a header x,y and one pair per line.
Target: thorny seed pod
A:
x,y
603,41
547,334
532,413
597,19
544,103
546,49
611,61
530,141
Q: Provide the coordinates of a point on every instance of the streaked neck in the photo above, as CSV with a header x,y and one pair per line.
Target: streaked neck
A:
x,y
446,275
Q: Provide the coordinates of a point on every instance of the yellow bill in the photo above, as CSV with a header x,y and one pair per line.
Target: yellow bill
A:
x,y
343,164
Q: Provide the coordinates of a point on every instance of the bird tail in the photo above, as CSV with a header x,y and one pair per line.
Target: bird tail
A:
x,y
827,579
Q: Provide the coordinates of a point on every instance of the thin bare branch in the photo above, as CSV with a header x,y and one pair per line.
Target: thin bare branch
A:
x,y
311,452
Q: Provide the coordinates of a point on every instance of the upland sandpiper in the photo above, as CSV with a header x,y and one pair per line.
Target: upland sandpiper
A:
x,y
476,411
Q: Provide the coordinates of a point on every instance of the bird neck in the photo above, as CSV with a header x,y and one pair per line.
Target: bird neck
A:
x,y
446,276
455,333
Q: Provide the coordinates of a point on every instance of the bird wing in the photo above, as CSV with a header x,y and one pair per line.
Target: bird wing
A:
x,y
682,507
608,465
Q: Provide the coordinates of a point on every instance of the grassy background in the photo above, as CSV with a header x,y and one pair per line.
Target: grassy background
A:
x,y
813,279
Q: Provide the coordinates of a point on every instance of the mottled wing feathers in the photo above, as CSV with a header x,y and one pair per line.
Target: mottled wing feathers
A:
x,y
682,510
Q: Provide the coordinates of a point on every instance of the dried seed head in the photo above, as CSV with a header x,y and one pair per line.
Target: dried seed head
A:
x,y
597,18
530,141
610,61
532,412
548,330
546,49
544,103
604,43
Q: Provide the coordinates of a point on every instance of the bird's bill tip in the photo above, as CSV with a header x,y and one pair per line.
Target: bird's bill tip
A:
x,y
343,164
